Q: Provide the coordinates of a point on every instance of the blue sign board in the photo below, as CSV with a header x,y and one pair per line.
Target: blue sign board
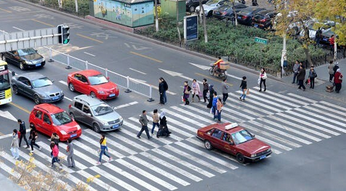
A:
x,y
191,27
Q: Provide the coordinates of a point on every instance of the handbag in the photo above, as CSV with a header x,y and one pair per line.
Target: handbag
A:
x,y
259,81
248,92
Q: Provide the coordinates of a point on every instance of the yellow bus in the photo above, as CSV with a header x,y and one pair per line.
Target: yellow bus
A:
x,y
5,84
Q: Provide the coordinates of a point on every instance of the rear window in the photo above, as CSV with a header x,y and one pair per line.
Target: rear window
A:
x,y
78,105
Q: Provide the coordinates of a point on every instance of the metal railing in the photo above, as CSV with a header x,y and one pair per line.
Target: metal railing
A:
x,y
130,84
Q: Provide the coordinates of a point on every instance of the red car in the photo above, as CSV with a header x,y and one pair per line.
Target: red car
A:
x,y
49,119
235,140
93,83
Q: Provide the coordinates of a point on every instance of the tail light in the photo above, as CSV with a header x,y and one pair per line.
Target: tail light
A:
x,y
263,20
244,17
69,106
224,13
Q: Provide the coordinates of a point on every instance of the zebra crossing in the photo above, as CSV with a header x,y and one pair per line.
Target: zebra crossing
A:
x,y
285,121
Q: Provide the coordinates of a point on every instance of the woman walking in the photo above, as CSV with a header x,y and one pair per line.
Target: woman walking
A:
x,y
312,76
215,98
263,78
205,90
211,95
104,149
163,131
55,139
195,90
243,87
219,109
186,93
33,136
155,120
55,154
15,144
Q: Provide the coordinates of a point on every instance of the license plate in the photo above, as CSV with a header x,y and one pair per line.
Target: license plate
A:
x,y
111,95
38,65
263,157
73,135
115,126
55,98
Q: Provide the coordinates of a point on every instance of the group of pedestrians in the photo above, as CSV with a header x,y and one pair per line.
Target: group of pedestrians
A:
x,y
335,73
158,120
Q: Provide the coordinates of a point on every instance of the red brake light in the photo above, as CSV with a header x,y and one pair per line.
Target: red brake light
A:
x,y
263,20
69,106
244,17
224,13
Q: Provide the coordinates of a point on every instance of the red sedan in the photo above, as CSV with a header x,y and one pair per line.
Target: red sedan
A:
x,y
49,119
93,83
235,140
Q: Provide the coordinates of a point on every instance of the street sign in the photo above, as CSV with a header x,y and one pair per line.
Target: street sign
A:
x,y
190,27
261,40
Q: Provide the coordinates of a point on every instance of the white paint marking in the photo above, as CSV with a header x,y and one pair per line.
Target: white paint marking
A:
x,y
87,53
202,67
7,115
126,105
69,99
333,105
138,71
97,181
18,28
155,87
128,46
63,82
302,98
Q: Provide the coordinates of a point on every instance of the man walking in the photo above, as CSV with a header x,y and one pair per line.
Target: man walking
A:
x,y
205,89
22,131
331,70
70,154
301,77
295,71
144,122
225,90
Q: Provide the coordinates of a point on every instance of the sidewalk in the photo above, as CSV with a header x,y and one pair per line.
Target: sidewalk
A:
x,y
7,184
322,81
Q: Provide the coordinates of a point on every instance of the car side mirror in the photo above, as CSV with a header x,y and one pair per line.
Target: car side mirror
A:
x,y
52,81
89,114
107,78
252,135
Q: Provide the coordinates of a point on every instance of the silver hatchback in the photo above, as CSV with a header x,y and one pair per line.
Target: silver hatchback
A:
x,y
95,113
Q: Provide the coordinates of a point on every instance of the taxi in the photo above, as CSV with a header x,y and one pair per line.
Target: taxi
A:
x,y
235,140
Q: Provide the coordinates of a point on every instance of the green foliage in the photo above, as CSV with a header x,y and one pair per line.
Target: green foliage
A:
x,y
67,5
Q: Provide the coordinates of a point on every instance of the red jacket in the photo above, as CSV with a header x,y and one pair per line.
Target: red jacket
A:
x,y
331,41
337,77
55,151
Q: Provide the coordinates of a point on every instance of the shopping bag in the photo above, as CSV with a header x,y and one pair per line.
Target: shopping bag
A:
x,y
258,81
248,92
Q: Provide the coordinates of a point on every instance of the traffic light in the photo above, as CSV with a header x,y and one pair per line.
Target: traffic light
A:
x,y
65,34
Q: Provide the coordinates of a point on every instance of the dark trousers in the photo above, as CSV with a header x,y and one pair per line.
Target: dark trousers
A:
x,y
154,124
264,83
294,77
224,97
205,95
218,115
32,144
301,84
331,76
162,101
337,87
22,135
144,128
312,83
164,97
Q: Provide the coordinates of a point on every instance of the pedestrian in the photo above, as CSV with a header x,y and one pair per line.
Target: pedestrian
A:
x,y
55,139
33,136
155,120
104,149
262,79
318,36
163,130
165,85
331,42
205,90
196,90
254,3
186,93
312,76
225,90
295,71
243,86
144,122
161,90
70,153
215,98
211,95
338,80
331,70
301,77
336,67
15,144
219,106
55,154
22,131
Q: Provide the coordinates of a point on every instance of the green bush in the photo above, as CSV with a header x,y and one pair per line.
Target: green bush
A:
x,y
68,5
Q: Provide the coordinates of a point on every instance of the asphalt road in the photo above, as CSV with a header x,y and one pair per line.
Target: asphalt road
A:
x,y
305,130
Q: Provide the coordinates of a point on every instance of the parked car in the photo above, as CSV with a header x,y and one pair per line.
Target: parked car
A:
x,y
192,4
93,83
49,119
226,11
24,58
245,15
263,19
95,113
210,6
37,87
235,140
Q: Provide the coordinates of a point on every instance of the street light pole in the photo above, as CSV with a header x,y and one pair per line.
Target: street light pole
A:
x,y
284,51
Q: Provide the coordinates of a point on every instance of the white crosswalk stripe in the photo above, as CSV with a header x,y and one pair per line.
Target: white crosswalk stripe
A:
x,y
96,181
302,98
172,128
333,105
224,115
182,117
271,100
334,111
282,97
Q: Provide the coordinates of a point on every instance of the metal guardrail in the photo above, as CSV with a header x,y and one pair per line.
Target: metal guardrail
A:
x,y
130,84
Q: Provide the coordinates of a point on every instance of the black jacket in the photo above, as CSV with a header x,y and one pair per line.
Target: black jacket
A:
x,y
301,74
243,84
163,122
161,87
33,135
22,128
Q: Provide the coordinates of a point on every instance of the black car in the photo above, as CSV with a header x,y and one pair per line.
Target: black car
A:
x,y
263,19
226,11
37,87
192,4
24,58
245,15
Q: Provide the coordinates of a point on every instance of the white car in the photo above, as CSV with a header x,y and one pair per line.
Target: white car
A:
x,y
325,27
210,6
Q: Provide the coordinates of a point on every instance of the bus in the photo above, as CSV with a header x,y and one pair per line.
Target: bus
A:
x,y
5,84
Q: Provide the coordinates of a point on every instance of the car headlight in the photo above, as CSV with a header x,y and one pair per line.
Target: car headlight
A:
x,y
120,118
78,127
268,150
43,59
63,132
105,123
101,92
253,155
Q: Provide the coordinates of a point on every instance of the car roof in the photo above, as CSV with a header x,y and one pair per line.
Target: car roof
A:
x,y
88,100
265,11
32,75
49,108
88,73
223,127
249,9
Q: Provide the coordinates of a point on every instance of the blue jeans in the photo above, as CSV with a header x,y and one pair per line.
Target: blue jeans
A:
x,y
218,115
154,124
14,151
104,150
214,111
243,95
294,77
164,97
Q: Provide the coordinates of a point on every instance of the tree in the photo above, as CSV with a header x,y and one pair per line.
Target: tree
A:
x,y
156,17
203,18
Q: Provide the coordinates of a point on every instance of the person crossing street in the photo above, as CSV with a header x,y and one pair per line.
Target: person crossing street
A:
x,y
205,90
22,131
70,154
103,149
33,136
225,91
15,145
143,120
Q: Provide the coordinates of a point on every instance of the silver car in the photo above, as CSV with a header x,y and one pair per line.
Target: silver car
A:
x,y
37,87
95,113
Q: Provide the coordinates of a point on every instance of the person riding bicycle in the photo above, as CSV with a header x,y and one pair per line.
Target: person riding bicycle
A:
x,y
217,65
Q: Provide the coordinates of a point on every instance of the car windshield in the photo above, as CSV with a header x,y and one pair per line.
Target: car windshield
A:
x,y
41,82
241,137
210,2
97,79
28,51
102,109
4,80
61,118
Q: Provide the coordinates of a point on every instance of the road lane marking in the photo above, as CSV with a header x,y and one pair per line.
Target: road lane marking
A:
x,y
19,107
43,23
18,28
148,57
68,98
89,38
208,77
63,82
126,105
5,10
138,71
89,54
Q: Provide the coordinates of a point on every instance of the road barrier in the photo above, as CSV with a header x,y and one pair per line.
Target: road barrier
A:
x,y
130,84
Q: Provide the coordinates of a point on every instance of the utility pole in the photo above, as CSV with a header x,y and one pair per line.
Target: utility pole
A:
x,y
284,50
156,17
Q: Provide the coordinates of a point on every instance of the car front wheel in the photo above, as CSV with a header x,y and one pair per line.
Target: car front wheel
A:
x,y
21,66
71,87
37,99
96,128
208,145
240,158
92,94
15,90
